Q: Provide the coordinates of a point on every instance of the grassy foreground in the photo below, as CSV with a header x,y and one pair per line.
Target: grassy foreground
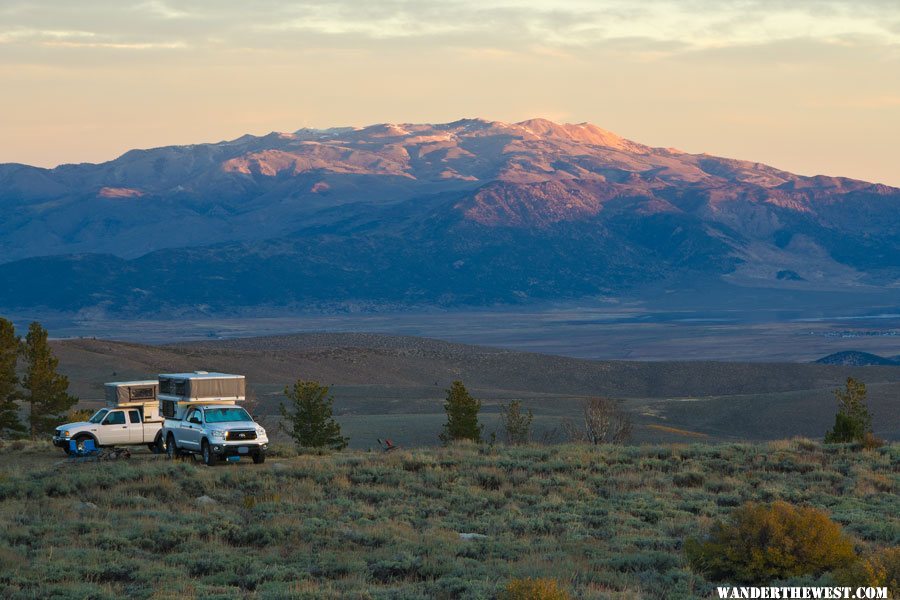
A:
x,y
607,522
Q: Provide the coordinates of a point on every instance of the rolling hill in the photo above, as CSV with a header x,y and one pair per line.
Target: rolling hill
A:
x,y
394,385
469,213
857,359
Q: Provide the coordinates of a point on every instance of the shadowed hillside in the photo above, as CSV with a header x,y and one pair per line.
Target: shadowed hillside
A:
x,y
393,385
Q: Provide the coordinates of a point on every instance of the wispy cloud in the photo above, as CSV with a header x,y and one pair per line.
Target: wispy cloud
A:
x,y
118,45
26,34
692,24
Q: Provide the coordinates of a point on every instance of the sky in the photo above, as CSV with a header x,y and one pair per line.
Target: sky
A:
x,y
809,86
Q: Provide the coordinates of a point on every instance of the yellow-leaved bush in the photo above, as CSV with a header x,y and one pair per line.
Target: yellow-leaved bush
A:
x,y
762,543
879,569
534,589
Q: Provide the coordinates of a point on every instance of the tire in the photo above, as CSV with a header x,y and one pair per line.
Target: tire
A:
x,y
209,457
172,447
259,458
157,447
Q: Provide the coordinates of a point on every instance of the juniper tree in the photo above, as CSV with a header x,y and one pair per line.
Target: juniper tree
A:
x,y
310,416
46,391
852,421
10,347
516,423
462,415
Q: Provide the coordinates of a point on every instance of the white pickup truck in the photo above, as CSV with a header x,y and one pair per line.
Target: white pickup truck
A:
x,y
131,418
201,417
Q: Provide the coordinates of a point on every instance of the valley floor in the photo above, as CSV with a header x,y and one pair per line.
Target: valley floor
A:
x,y
607,522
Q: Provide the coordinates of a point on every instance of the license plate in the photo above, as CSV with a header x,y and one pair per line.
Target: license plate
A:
x,y
243,450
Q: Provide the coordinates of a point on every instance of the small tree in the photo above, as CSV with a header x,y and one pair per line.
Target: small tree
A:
x,y
603,422
516,423
852,421
462,415
310,416
10,346
46,391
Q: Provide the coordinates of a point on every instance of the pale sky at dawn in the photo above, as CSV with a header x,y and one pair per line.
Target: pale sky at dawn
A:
x,y
808,86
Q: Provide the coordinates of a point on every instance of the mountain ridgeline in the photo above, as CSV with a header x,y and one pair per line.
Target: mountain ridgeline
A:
x,y
469,213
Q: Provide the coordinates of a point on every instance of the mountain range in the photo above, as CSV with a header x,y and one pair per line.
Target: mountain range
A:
x,y
469,213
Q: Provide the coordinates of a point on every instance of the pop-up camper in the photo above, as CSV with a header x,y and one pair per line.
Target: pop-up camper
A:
x,y
180,391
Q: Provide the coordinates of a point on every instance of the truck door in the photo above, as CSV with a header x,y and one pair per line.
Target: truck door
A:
x,y
135,427
190,430
114,430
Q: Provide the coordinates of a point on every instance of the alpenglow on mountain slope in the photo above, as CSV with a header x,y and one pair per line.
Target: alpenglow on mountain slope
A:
x,y
472,212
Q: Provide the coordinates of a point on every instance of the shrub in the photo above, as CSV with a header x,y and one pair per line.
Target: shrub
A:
x,y
688,479
534,589
762,543
877,570
398,568
871,441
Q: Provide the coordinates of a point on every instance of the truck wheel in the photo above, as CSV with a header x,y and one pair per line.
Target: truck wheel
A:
x,y
259,458
209,457
171,447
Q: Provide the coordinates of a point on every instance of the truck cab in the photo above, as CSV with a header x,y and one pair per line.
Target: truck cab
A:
x,y
131,418
202,417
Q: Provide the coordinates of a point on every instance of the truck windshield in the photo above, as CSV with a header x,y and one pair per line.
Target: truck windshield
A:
x,y
98,416
224,415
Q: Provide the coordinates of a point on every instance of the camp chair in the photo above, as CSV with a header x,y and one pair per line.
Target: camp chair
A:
x,y
88,450
387,445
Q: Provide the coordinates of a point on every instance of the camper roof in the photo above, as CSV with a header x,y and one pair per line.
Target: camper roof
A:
x,y
199,375
131,383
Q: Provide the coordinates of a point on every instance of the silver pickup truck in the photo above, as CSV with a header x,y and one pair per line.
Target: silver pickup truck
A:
x,y
216,432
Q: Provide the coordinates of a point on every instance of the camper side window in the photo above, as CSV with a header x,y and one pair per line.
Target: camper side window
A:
x,y
180,388
168,409
142,393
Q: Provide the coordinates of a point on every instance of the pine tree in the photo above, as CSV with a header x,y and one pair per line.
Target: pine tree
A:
x,y
10,347
516,423
310,416
462,415
46,391
852,421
